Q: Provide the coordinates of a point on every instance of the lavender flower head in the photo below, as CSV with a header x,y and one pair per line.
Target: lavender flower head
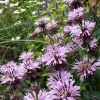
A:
x,y
67,29
42,22
88,25
87,28
93,43
86,67
74,4
46,4
26,56
76,15
58,76
42,95
37,32
69,1
27,26
29,66
75,30
11,72
52,26
55,54
59,37
63,88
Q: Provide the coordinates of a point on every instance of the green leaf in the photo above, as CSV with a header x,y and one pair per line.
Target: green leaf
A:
x,y
95,94
46,74
8,88
72,71
83,88
97,73
86,95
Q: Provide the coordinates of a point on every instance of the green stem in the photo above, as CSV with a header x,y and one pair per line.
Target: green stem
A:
x,y
9,41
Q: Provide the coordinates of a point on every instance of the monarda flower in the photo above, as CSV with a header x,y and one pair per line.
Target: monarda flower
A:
x,y
83,32
54,55
75,30
61,85
93,44
76,15
73,3
29,66
11,74
71,47
42,95
26,56
37,32
86,67
87,28
58,76
52,26
88,25
59,38
69,1
67,29
42,22
92,47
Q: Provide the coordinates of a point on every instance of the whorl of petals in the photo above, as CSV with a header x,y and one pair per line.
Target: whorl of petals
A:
x,y
26,56
86,67
43,95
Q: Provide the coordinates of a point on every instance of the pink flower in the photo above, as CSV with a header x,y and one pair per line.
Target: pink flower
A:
x,y
64,91
88,25
82,32
67,29
61,85
29,68
69,1
52,26
42,22
59,36
26,56
78,41
86,67
58,76
93,44
29,65
42,95
76,14
76,30
70,47
11,72
55,54
38,31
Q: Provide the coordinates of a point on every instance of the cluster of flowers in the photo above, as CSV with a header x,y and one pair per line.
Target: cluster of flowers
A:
x,y
80,29
44,24
61,85
12,73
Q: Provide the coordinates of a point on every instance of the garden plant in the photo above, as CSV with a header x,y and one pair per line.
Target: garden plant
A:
x,y
50,50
